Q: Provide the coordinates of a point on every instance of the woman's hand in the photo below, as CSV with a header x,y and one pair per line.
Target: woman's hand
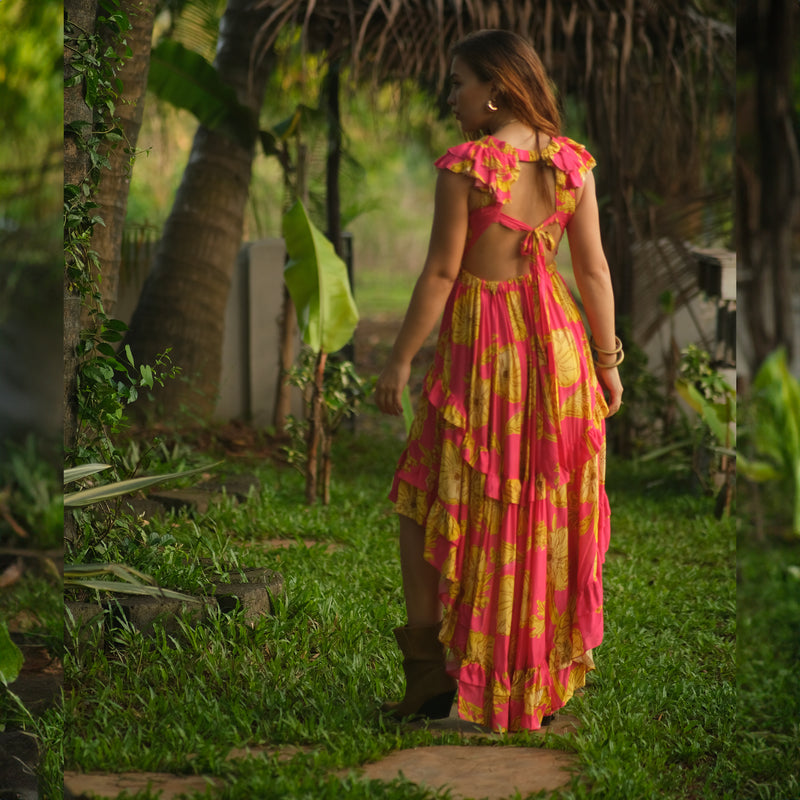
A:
x,y
611,382
389,389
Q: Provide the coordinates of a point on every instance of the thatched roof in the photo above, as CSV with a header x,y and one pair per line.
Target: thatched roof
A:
x,y
385,39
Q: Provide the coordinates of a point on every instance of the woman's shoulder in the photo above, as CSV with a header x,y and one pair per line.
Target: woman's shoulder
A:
x,y
478,150
494,165
570,157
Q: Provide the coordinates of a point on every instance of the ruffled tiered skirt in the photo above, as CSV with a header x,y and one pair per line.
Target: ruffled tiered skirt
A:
x,y
504,470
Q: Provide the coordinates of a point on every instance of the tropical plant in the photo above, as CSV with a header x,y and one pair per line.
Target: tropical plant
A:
x,y
130,581
10,664
326,313
707,443
773,434
713,399
343,392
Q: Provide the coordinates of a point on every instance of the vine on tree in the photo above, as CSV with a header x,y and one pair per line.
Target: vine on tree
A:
x,y
107,381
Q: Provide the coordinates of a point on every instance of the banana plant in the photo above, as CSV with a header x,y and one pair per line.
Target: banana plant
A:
x,y
775,430
327,316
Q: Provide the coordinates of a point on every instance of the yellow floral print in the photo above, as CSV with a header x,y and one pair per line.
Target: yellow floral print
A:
x,y
508,374
517,318
466,319
558,559
568,363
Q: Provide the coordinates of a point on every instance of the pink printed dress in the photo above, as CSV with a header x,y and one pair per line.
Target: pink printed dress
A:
x,y
505,463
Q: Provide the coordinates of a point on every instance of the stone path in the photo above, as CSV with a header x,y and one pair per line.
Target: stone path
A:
x,y
484,771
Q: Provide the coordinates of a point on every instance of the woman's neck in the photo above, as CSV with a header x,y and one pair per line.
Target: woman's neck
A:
x,y
519,135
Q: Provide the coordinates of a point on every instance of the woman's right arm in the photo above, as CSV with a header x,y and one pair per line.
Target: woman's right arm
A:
x,y
442,264
594,284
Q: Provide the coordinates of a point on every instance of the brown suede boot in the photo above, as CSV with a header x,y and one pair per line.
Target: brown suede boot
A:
x,y
429,689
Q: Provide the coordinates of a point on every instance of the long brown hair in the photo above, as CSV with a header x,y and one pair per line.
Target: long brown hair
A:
x,y
511,63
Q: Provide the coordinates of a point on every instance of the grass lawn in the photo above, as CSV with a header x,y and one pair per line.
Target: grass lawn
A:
x,y
658,716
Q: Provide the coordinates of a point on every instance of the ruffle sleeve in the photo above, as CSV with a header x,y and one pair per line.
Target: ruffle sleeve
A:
x,y
574,160
493,168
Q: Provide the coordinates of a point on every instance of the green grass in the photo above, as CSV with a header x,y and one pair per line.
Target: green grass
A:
x,y
658,715
768,655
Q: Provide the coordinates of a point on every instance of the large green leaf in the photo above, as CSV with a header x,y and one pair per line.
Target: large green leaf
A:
x,y
83,471
317,281
131,581
777,428
10,657
184,78
86,497
717,416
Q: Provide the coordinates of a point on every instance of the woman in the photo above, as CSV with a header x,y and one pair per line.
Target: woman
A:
x,y
504,520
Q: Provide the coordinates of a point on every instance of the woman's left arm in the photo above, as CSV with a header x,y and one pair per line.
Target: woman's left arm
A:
x,y
433,287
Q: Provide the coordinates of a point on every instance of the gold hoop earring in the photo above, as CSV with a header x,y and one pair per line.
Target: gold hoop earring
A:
x,y
491,106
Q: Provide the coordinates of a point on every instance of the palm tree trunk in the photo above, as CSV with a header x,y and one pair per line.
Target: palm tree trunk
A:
x,y
183,302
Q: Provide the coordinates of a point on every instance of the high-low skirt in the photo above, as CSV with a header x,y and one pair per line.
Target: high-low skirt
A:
x,y
505,470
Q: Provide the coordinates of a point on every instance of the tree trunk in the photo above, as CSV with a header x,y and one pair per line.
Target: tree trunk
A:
x,y
79,16
767,171
288,322
332,198
315,430
778,166
112,192
183,302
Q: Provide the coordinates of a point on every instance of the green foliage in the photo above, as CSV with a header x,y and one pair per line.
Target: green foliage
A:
x,y
108,381
343,393
30,96
10,657
31,493
96,494
708,438
95,65
318,284
130,580
184,78
710,396
773,430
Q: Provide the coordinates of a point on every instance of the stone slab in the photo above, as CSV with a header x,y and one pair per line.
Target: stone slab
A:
x,y
477,773
195,499
109,785
253,598
143,612
143,507
238,486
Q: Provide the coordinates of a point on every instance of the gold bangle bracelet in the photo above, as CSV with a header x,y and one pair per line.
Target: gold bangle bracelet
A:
x,y
620,354
617,347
